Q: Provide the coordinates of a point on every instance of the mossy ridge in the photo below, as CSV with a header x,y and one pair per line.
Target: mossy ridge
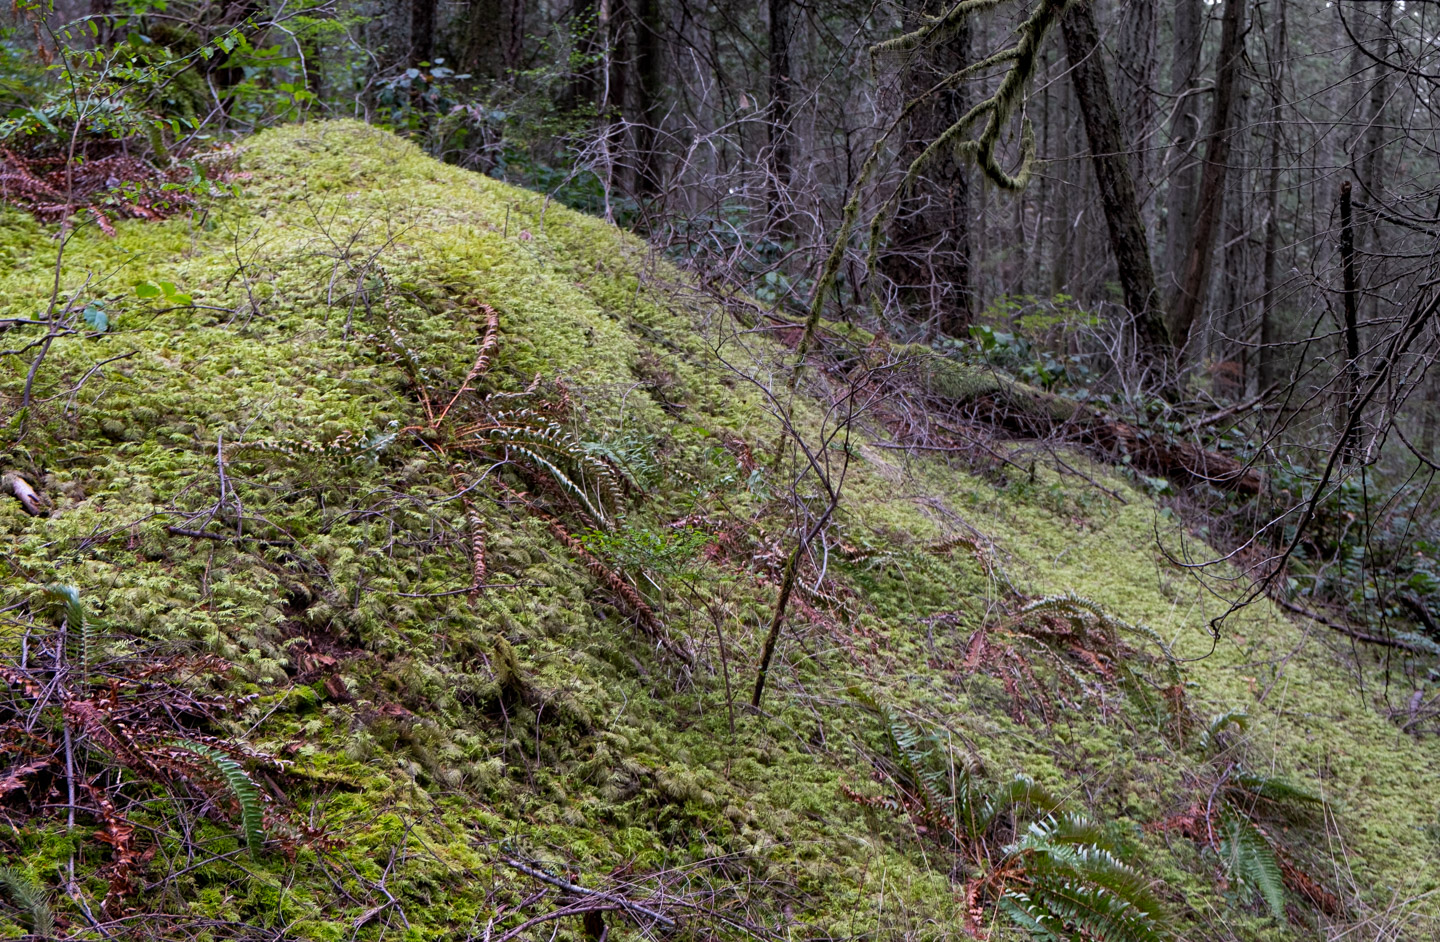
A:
x,y
632,770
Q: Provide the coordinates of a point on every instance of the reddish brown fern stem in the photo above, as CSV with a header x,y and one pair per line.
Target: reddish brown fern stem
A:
x,y
489,342
639,609
477,534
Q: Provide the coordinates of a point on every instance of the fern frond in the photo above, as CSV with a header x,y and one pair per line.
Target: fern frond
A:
x,y
1054,831
29,898
561,456
1070,605
1022,791
1250,860
1094,912
1097,867
247,795
1034,919
1273,788
80,641
1210,739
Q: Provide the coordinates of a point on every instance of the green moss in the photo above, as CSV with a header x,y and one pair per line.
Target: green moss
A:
x,y
535,721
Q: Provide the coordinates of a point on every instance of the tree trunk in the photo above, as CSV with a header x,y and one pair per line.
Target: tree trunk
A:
x,y
484,54
1373,164
928,255
1112,172
1351,299
1229,350
1184,170
650,89
780,158
422,32
1212,181
1270,335
1135,84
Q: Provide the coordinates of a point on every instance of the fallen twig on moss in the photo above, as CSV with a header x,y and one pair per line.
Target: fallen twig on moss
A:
x,y
1349,632
620,902
13,483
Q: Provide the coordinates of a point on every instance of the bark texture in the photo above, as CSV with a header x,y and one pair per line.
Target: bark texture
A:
x,y
1112,173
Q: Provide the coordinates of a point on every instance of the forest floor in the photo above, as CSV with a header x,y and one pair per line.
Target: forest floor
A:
x,y
426,749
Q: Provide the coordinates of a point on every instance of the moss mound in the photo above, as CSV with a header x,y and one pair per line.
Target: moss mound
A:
x,y
261,478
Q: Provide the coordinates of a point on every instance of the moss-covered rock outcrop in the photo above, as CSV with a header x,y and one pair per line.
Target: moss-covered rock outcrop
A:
x,y
433,735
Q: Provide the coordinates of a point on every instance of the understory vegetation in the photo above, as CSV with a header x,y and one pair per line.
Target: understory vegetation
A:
x,y
639,469
409,574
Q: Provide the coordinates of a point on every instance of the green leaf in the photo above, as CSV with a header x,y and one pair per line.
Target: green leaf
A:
x,y
1251,861
81,643
247,796
29,898
96,317
148,289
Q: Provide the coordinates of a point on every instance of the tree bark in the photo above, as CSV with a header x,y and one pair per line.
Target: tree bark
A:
x,y
1184,170
422,32
780,158
650,89
1136,83
484,47
928,253
1269,326
1112,172
1373,165
1212,181
1229,349
1351,306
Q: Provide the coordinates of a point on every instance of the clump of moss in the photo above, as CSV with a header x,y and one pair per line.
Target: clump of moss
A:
x,y
435,732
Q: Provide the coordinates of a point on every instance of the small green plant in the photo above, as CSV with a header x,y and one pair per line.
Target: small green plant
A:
x,y
1065,879
29,898
1232,823
164,291
247,796
1061,876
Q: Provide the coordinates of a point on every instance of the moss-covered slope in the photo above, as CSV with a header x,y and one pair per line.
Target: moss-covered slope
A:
x,y
431,735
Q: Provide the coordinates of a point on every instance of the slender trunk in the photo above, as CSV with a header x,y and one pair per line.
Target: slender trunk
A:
x,y
1230,347
1268,353
484,51
649,66
1269,327
1212,181
1184,170
1431,415
101,14
1135,85
1112,172
1373,165
422,32
1351,306
780,159
1063,240
928,250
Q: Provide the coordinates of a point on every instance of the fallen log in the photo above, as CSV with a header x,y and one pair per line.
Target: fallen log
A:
x,y
992,397
13,483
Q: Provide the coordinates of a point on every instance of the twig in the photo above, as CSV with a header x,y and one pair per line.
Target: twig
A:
x,y
23,492
1348,631
569,887
227,538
